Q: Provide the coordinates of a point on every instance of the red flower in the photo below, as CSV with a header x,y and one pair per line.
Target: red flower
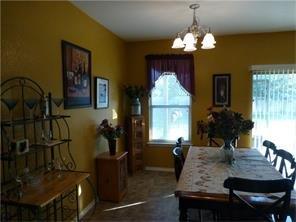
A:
x,y
110,133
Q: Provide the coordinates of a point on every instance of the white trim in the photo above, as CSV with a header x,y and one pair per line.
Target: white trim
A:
x,y
86,210
272,67
162,169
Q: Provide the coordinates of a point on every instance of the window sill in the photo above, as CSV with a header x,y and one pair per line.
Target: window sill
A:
x,y
166,143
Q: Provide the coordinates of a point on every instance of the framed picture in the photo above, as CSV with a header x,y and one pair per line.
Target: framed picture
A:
x,y
76,76
221,90
101,93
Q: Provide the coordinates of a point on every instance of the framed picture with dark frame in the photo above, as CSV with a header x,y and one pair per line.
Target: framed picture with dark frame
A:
x,y
101,93
76,76
221,90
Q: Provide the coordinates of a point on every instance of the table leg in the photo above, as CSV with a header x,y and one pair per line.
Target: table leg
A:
x,y
37,213
183,214
182,210
55,210
77,203
62,208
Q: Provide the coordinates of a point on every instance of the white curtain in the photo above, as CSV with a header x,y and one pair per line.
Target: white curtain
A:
x,y
274,106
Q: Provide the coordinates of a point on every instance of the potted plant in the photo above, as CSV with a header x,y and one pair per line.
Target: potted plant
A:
x,y
227,125
135,93
110,133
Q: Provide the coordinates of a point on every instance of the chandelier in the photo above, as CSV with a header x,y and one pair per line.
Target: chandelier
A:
x,y
192,34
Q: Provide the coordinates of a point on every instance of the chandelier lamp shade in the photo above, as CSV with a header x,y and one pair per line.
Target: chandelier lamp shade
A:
x,y
191,35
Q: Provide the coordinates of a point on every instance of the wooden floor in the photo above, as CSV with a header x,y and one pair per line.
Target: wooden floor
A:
x,y
150,197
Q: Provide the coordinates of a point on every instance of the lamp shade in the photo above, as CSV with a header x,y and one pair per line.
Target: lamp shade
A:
x,y
188,39
189,48
208,41
178,43
208,46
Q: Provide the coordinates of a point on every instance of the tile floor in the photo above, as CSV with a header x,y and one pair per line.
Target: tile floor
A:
x,y
150,197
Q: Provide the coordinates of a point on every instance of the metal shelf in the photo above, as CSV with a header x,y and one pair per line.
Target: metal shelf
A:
x,y
29,121
34,148
43,200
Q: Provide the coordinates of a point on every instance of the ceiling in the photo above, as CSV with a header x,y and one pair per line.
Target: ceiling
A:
x,y
151,20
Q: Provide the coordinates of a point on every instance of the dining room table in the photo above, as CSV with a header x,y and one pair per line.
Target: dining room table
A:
x,y
201,181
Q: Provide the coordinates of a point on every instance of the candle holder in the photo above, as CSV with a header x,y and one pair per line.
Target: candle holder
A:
x,y
31,105
10,104
58,102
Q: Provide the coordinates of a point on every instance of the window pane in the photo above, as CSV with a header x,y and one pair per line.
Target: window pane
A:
x,y
170,123
168,91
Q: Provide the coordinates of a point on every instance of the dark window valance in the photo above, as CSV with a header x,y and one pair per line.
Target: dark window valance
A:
x,y
181,65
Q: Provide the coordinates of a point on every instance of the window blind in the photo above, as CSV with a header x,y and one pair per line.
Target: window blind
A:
x,y
274,106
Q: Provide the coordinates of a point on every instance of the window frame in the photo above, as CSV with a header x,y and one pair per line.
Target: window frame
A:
x,y
163,141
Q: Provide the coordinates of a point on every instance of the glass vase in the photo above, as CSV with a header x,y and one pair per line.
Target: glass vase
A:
x,y
135,107
112,147
227,152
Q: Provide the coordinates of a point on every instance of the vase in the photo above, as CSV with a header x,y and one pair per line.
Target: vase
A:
x,y
112,147
227,152
135,107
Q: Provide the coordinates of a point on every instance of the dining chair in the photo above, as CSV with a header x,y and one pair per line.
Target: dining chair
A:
x,y
286,157
179,160
270,150
286,171
275,209
179,142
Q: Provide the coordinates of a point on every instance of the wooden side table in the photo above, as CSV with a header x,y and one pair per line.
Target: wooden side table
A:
x,y
112,176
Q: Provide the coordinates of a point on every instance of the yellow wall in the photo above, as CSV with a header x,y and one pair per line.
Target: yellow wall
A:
x,y
31,47
233,54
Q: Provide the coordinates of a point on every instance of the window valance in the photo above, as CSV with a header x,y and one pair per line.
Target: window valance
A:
x,y
181,65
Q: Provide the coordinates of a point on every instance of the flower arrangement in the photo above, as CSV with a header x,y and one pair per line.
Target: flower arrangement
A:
x,y
225,124
134,92
108,131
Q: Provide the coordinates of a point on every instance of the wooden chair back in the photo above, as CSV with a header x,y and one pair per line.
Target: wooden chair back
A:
x,y
179,160
284,169
279,207
179,142
270,149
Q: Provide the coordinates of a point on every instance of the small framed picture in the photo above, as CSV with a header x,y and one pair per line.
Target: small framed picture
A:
x,y
101,93
221,90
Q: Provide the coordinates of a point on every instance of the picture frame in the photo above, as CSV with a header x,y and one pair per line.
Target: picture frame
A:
x,y
76,62
101,93
222,90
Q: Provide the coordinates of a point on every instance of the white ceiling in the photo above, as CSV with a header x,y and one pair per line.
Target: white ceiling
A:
x,y
151,20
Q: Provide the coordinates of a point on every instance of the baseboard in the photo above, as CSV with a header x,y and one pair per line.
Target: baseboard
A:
x,y
163,169
86,209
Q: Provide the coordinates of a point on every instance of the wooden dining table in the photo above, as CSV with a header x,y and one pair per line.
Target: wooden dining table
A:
x,y
201,181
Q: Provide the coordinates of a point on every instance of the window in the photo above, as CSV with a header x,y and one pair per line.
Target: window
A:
x,y
274,108
170,110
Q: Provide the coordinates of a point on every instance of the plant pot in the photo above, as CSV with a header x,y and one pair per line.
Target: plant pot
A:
x,y
227,152
112,147
135,107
